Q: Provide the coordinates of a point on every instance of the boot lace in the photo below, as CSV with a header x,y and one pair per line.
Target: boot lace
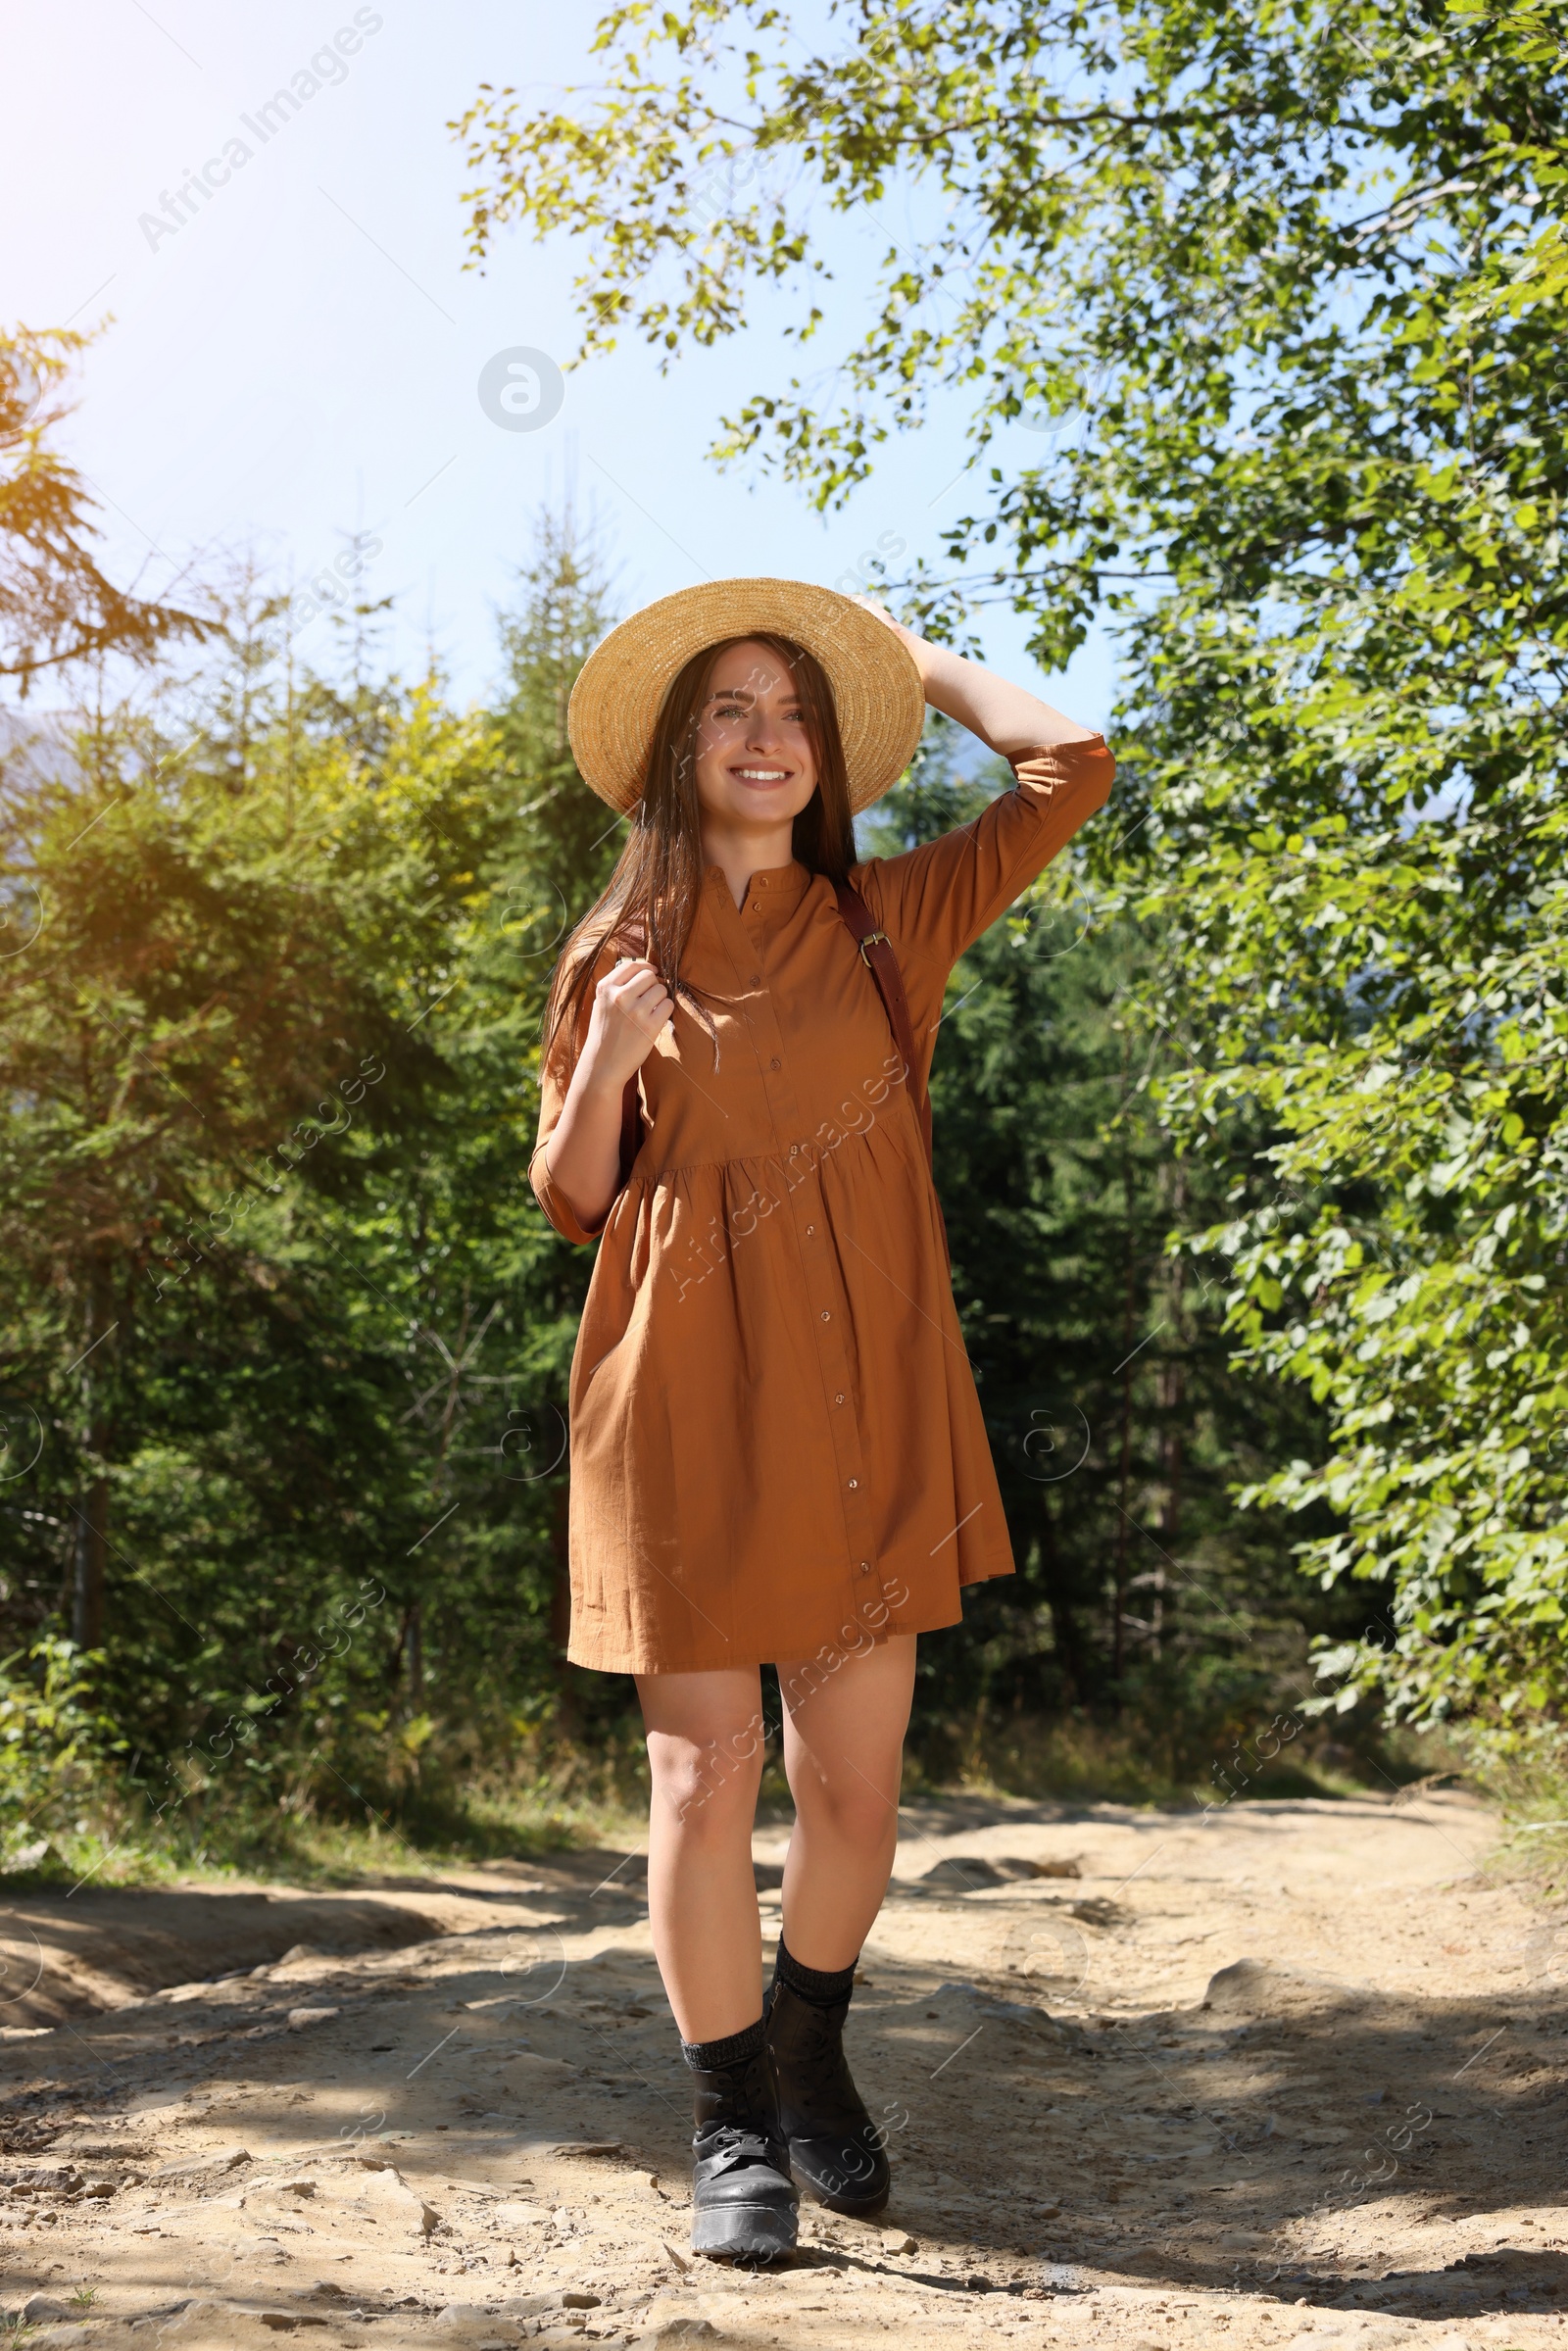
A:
x,y
732,2145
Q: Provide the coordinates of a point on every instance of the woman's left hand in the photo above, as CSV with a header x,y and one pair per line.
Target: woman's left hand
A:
x,y
925,656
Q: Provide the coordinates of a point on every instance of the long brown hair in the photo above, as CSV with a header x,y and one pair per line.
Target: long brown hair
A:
x,y
650,901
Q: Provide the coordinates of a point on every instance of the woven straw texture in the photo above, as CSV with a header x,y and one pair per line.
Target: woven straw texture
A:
x,y
621,686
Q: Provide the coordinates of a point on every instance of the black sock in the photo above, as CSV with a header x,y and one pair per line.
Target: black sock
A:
x,y
824,1988
712,2056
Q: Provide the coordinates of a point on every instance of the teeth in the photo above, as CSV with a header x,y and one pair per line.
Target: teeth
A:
x,y
762,775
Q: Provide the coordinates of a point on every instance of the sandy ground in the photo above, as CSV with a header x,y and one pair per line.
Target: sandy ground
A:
x,y
1289,2074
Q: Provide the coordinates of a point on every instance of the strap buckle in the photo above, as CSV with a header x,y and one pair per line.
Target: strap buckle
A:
x,y
874,939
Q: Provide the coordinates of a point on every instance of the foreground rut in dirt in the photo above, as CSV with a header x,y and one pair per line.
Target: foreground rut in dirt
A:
x,y
1290,2072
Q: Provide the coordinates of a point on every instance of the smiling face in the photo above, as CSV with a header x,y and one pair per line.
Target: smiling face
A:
x,y
755,765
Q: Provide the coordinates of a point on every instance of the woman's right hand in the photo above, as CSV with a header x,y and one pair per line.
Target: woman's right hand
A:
x,y
631,1008
631,1011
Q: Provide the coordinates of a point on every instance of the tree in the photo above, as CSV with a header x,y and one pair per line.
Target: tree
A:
x,y
56,605
1287,284
221,957
564,609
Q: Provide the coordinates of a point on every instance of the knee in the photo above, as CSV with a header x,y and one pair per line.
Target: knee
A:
x,y
708,1787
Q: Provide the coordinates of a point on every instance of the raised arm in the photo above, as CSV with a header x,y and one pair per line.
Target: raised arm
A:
x,y
935,900
1007,718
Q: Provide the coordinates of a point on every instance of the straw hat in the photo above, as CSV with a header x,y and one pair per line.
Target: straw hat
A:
x,y
621,686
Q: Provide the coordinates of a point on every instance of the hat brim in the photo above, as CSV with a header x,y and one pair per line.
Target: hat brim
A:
x,y
620,688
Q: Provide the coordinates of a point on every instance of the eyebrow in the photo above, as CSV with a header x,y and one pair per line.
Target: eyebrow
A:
x,y
734,693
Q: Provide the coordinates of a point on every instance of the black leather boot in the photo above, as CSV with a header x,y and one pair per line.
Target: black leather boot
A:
x,y
744,2205
834,2146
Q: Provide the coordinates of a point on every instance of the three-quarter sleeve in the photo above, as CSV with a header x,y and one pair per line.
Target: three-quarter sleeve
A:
x,y
555,1077
935,900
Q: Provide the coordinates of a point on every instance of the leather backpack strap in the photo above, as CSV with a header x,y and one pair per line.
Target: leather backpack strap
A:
x,y
876,952
631,1101
631,1127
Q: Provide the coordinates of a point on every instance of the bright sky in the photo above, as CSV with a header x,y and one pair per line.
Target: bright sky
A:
x,y
305,355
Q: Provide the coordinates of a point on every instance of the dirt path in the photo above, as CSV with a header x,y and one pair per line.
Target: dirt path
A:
x,y
480,2137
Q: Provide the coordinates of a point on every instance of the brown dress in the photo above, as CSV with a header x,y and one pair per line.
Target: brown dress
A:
x,y
776,1446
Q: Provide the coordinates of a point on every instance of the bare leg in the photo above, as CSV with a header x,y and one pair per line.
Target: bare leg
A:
x,y
705,1746
843,1754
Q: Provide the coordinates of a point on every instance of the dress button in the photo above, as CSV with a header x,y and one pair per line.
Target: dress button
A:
x,y
775,1063
827,1316
839,1398
810,1230
757,979
865,1567
852,1483
757,906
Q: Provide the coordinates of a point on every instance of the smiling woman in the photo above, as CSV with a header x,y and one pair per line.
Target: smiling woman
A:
x,y
777,1451
766,747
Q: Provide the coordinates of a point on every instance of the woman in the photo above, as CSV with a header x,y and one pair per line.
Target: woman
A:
x,y
777,1454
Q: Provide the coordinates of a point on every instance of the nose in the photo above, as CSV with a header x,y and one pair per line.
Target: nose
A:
x,y
761,731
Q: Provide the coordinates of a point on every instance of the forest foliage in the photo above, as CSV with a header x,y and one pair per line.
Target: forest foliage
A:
x,y
1249,1118
287,1336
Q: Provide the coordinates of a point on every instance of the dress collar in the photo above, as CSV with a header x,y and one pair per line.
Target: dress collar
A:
x,y
778,886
